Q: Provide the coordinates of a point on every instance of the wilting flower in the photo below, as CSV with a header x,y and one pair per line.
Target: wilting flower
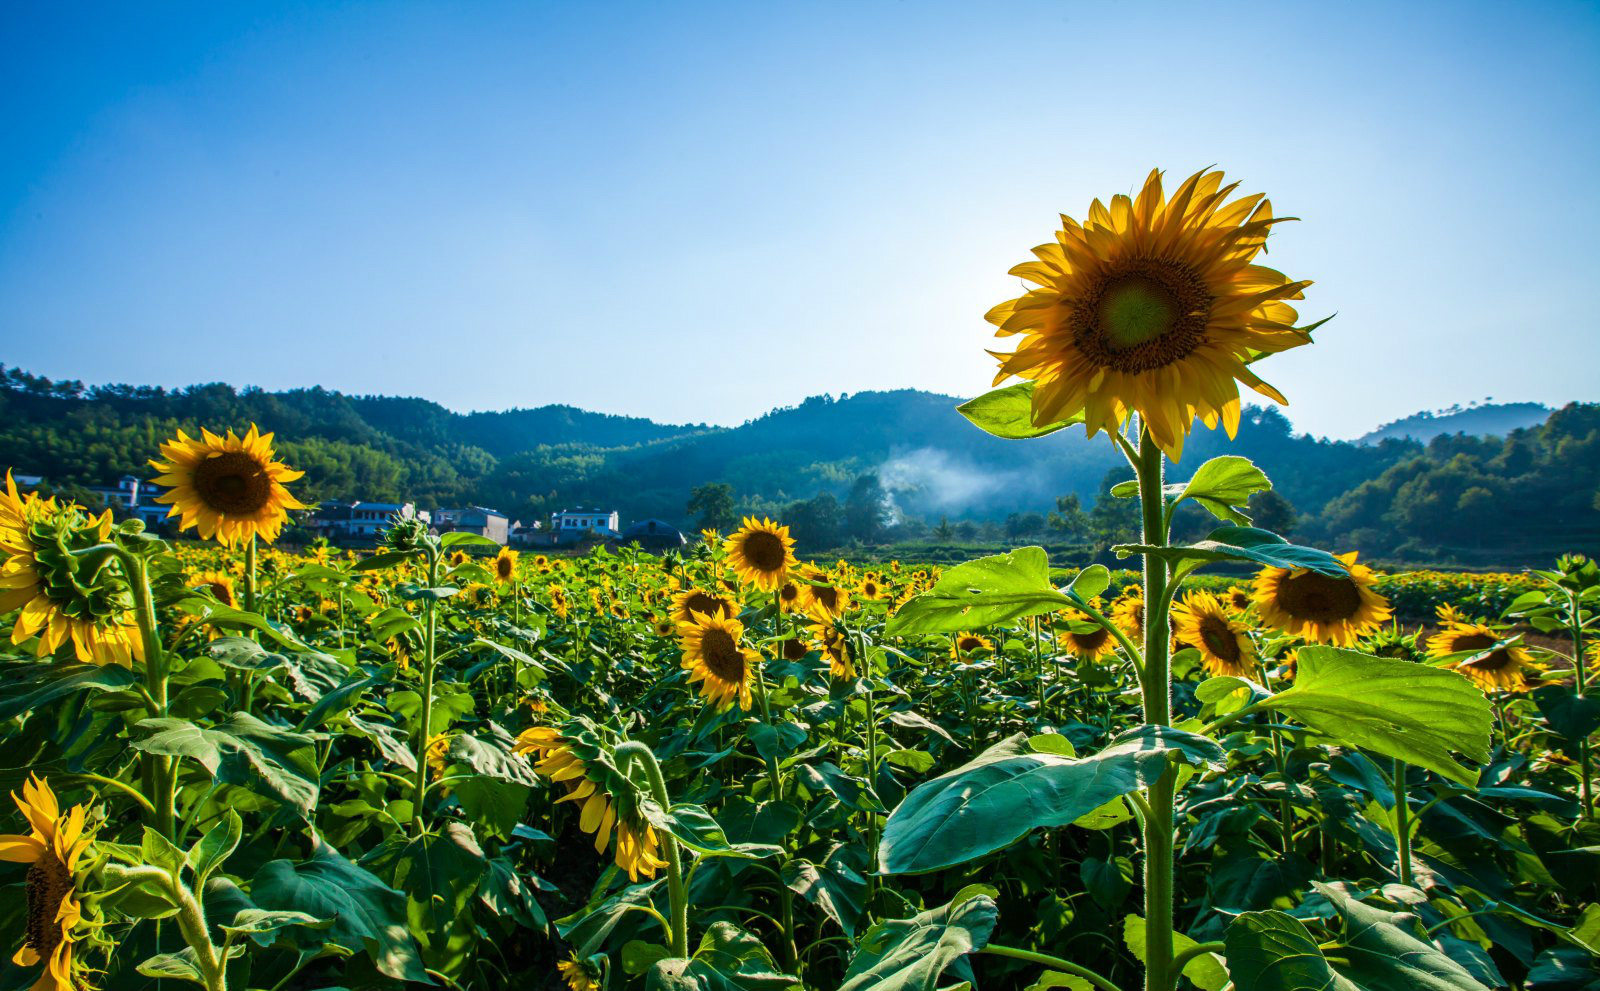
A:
x,y
1224,643
1152,306
52,851
229,488
1334,609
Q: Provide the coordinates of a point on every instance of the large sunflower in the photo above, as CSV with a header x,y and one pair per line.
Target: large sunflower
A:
x,y
226,487
761,553
712,655
1153,307
1505,669
505,565
51,850
1128,615
636,845
61,601
693,600
1224,644
1334,609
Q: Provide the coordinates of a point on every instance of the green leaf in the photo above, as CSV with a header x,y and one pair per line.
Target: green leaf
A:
x,y
180,966
310,673
215,846
242,750
1242,543
852,791
1274,950
1573,717
1412,712
367,914
833,886
1090,582
158,851
258,921
727,959
387,559
1008,413
460,538
982,593
1006,793
1224,486
1388,949
490,753
910,954
1205,970
32,686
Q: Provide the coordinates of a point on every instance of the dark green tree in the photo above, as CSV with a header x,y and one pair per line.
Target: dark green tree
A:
x,y
713,507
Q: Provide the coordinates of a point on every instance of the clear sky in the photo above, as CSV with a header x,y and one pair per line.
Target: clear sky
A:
x,y
696,212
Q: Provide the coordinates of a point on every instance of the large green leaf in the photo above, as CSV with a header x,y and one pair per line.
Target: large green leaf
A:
x,y
1008,412
728,959
1413,712
1224,486
1242,543
910,954
1573,717
490,753
1386,949
26,687
242,750
367,914
1007,792
835,886
1204,969
310,673
1274,950
982,593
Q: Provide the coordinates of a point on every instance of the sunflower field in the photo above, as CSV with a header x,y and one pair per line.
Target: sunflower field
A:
x,y
441,763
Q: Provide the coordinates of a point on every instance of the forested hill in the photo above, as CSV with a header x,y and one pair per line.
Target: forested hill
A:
x,y
1479,420
907,452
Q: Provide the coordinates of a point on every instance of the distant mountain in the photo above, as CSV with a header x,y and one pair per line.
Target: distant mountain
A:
x,y
1485,420
907,455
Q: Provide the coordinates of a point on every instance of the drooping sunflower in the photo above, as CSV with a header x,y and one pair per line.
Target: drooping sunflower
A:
x,y
579,974
52,850
220,584
761,553
1224,643
1089,644
1152,306
60,601
558,600
836,648
693,600
714,657
505,565
637,844
226,487
1334,609
1504,669
1128,613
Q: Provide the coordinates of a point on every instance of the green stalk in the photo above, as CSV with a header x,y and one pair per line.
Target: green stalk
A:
x,y
1157,696
677,892
428,607
791,950
160,773
1055,963
1585,775
1402,824
191,919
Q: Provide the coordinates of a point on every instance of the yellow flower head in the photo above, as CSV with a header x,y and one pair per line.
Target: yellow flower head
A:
x,y
1224,643
226,487
692,600
1153,306
220,584
505,565
52,849
1090,644
965,645
1333,609
1504,669
761,553
712,655
60,601
578,974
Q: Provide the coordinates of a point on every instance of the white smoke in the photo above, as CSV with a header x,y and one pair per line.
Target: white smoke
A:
x,y
935,481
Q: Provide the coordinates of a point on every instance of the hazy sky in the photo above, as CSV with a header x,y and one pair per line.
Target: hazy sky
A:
x,y
701,211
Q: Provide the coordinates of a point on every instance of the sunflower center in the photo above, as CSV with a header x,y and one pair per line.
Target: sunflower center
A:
x,y
969,644
221,592
1494,661
503,568
827,596
233,483
704,603
1319,598
49,882
1219,639
722,656
1090,641
793,650
1146,314
764,551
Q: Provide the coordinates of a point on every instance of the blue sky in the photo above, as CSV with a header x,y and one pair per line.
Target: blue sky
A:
x,y
696,212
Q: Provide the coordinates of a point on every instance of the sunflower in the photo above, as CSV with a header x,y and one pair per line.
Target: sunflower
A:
x,y
1224,644
229,487
790,596
1154,307
52,850
692,600
558,600
836,648
1505,668
505,565
439,753
825,600
712,655
1128,614
761,553
665,627
965,645
1334,609
458,558
578,974
637,845
59,600
1239,599
1091,644
869,588
220,585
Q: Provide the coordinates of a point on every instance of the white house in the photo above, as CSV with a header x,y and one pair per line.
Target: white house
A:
x,y
576,524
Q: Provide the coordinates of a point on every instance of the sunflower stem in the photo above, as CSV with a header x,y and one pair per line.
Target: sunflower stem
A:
x,y
1580,666
1156,687
160,772
677,893
420,793
791,951
1402,828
